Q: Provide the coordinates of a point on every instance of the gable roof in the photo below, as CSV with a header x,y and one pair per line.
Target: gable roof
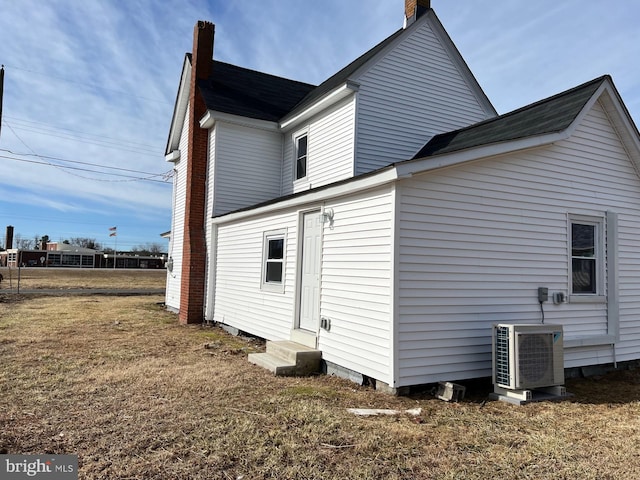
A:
x,y
248,93
551,115
343,75
548,120
352,69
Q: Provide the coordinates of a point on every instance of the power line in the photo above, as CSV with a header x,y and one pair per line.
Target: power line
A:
x,y
92,85
98,143
131,177
151,178
78,162
54,127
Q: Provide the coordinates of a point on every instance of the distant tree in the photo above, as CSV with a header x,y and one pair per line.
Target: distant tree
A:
x,y
22,243
84,242
150,248
66,242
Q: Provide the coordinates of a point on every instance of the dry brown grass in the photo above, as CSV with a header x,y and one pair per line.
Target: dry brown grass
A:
x,y
81,278
117,381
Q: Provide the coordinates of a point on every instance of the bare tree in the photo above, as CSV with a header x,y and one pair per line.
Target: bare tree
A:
x,y
23,243
150,248
84,242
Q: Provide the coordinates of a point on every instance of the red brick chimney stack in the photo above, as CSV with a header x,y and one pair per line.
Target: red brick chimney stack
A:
x,y
194,254
414,9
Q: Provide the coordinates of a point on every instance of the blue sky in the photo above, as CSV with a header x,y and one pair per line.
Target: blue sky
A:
x,y
90,84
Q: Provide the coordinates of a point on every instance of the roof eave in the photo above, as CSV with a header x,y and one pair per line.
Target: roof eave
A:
x,y
444,160
212,116
330,98
622,121
180,107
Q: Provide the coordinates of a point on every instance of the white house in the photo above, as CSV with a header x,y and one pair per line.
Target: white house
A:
x,y
388,217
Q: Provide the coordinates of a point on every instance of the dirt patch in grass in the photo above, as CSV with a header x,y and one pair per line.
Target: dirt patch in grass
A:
x,y
118,382
79,278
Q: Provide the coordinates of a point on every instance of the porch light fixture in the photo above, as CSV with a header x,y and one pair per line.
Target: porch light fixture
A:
x,y
327,216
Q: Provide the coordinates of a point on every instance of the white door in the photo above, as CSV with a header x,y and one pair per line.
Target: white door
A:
x,y
309,315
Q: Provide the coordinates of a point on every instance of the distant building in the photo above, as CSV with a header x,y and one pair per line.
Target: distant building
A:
x,y
65,255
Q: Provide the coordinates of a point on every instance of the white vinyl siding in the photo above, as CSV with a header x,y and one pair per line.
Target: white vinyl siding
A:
x,y
413,93
239,299
329,149
356,284
248,167
172,295
209,209
477,240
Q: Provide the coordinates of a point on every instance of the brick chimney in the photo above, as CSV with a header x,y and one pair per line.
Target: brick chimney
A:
x,y
194,254
413,9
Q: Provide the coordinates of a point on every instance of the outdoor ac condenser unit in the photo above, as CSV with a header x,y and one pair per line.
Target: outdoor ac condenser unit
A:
x,y
527,356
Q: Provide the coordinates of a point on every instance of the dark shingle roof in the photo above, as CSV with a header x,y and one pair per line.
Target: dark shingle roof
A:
x,y
551,115
240,91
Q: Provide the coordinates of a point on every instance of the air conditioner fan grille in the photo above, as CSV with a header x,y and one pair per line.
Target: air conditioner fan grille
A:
x,y
535,358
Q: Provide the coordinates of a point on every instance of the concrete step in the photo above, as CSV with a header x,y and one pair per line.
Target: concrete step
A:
x,y
275,365
287,358
292,351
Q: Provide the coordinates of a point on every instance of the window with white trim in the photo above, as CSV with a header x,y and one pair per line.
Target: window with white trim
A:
x,y
301,147
273,260
587,255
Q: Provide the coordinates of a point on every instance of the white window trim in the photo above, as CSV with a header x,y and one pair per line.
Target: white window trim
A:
x,y
277,287
600,254
295,137
610,262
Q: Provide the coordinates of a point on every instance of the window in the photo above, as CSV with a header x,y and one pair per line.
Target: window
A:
x,y
587,257
301,157
273,261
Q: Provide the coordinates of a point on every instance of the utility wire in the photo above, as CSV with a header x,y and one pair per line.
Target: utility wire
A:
x,y
92,85
77,162
166,175
54,127
150,178
87,141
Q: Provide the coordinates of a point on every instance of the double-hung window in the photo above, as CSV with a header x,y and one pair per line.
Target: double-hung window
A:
x,y
587,256
273,261
301,143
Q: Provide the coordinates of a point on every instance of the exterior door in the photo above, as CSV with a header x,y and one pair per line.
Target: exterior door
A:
x,y
309,315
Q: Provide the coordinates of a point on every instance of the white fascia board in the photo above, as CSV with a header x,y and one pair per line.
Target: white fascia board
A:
x,y
622,121
173,156
458,60
331,98
388,48
211,117
180,108
385,176
426,164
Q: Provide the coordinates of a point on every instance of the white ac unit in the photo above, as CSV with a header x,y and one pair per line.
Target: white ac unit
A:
x,y
527,356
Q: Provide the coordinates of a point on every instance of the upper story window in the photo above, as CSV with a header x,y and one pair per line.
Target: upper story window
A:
x,y
301,156
587,256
